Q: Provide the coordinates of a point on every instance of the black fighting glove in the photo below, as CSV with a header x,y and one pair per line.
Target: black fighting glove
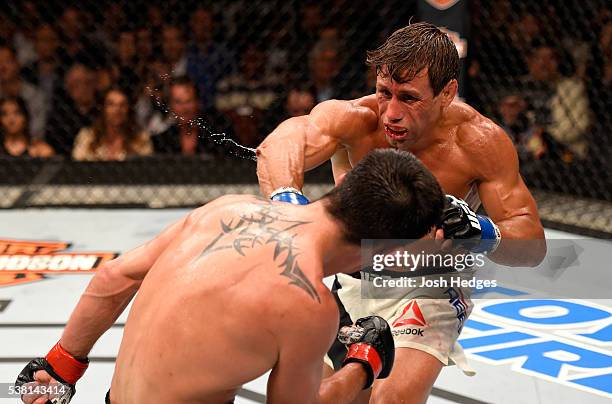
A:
x,y
369,342
60,365
477,233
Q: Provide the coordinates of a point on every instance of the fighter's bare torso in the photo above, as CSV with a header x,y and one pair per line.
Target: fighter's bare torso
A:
x,y
462,140
208,315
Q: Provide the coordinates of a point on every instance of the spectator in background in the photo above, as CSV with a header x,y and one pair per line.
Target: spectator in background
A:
x,y
603,77
12,85
114,134
280,43
299,100
47,71
528,139
557,105
151,106
112,21
190,133
28,19
126,60
523,33
173,49
71,29
245,97
15,138
106,75
324,66
73,108
155,17
144,50
207,60
7,29
144,43
601,96
309,24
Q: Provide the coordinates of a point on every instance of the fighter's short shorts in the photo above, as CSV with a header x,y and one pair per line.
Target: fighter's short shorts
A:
x,y
427,319
107,398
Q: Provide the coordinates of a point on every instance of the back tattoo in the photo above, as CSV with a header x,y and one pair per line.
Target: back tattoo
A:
x,y
265,225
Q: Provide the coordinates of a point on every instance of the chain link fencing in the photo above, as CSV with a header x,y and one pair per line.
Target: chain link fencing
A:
x,y
541,70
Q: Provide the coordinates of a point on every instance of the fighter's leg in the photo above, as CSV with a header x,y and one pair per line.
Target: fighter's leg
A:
x,y
411,379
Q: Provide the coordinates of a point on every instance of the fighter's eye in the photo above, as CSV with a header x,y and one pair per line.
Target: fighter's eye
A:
x,y
408,98
384,93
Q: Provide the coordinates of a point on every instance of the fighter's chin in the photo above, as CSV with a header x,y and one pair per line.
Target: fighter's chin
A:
x,y
403,142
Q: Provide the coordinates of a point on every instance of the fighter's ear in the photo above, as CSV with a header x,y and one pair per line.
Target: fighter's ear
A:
x,y
448,93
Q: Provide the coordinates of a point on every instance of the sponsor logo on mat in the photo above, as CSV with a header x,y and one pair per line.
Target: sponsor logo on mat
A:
x,y
24,261
563,341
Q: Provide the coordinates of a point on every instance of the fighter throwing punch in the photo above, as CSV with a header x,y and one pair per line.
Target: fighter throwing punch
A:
x,y
414,109
235,289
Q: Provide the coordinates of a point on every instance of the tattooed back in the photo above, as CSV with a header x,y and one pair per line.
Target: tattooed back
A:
x,y
212,312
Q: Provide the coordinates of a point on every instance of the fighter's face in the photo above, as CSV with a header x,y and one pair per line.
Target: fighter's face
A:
x,y
408,110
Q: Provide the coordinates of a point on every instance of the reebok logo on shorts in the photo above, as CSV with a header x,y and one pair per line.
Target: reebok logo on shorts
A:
x,y
411,315
408,331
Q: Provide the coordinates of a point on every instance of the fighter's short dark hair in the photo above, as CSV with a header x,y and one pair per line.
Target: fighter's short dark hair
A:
x,y
413,48
388,195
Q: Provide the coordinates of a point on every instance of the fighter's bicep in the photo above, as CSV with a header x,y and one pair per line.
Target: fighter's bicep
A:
x,y
335,123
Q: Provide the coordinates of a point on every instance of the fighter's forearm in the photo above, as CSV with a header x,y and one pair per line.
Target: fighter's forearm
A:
x,y
103,301
343,386
280,158
522,242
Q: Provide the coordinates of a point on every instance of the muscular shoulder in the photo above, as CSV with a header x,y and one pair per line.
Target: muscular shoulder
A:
x,y
485,143
226,204
346,119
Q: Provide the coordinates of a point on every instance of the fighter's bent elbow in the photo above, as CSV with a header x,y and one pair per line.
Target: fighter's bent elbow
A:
x,y
528,248
111,277
537,250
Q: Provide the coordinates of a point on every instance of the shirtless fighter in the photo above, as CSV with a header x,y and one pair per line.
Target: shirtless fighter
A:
x,y
235,289
414,109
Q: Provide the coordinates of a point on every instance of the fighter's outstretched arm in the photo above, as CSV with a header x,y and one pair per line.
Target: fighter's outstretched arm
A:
x,y
109,292
105,298
302,143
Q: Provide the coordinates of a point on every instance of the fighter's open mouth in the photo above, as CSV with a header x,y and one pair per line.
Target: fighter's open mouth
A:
x,y
396,133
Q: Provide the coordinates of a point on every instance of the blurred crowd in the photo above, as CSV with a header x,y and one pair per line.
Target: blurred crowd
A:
x,y
543,71
105,80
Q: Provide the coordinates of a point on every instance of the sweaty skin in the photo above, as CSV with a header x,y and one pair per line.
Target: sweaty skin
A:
x,y
457,144
231,291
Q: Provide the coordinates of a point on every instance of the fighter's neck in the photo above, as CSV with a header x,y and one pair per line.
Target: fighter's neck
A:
x,y
329,241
